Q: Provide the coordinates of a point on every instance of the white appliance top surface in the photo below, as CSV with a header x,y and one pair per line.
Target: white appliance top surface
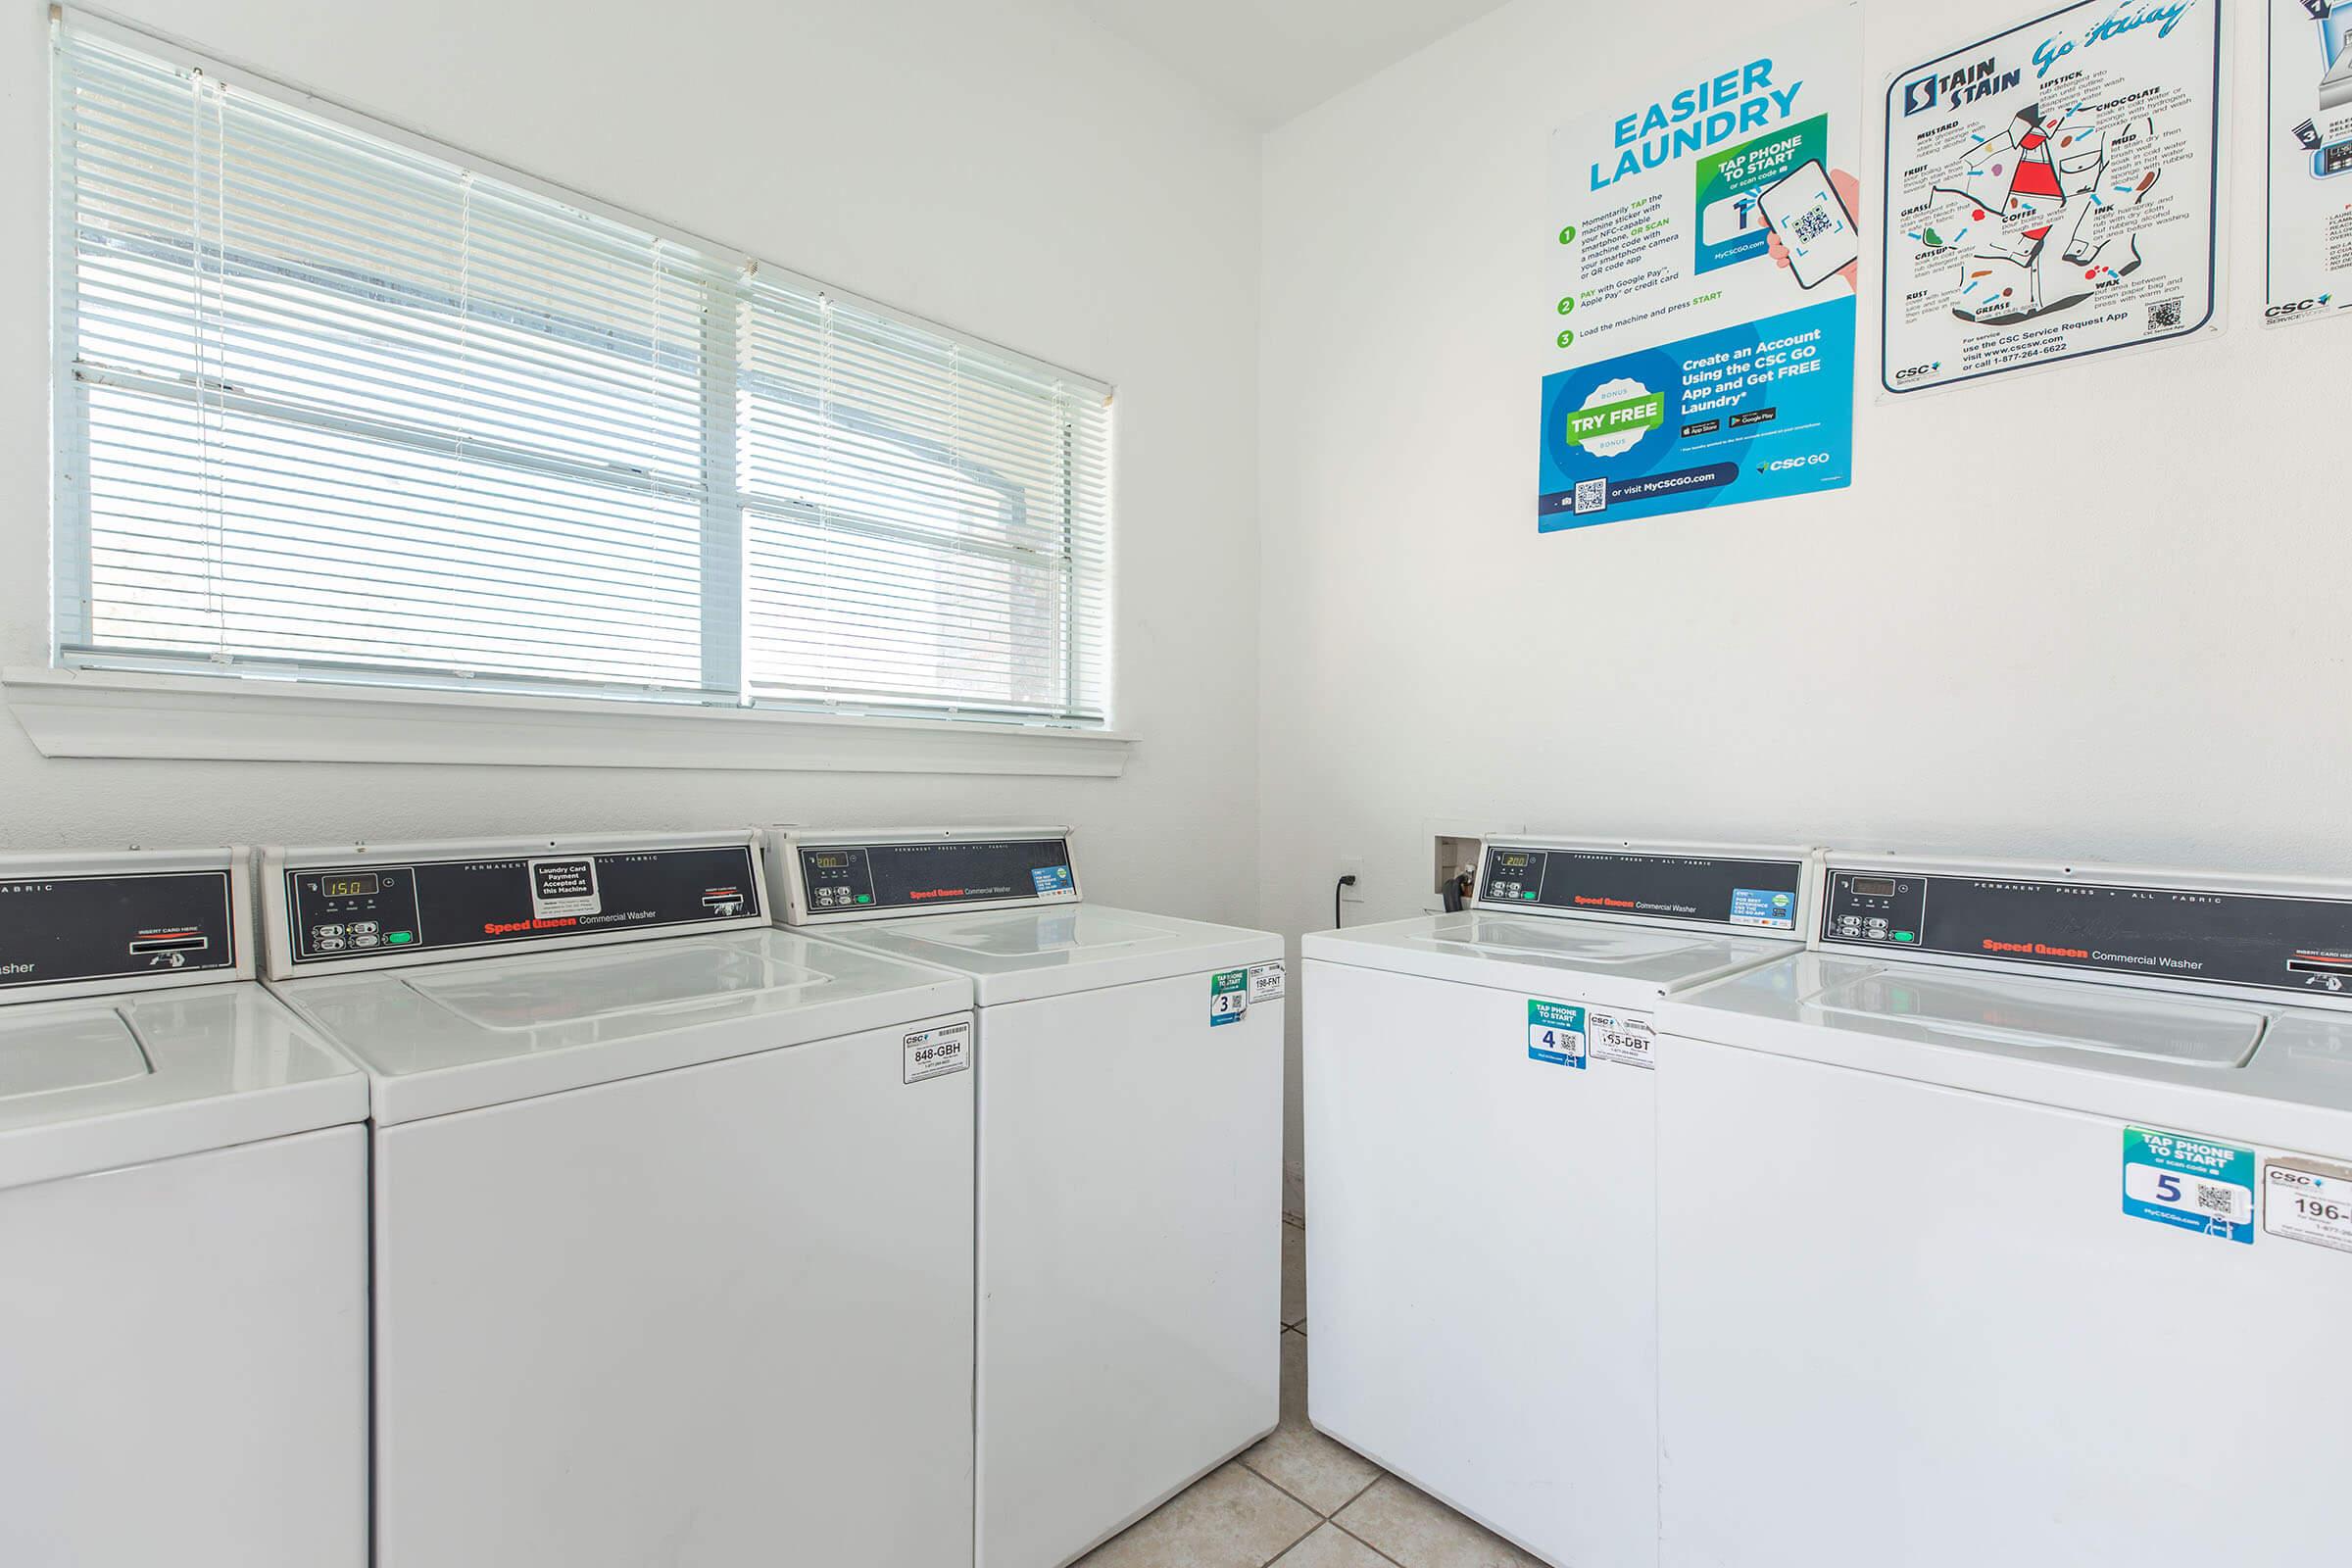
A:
x,y
2005,1034
458,1036
1555,951
101,1082
1016,954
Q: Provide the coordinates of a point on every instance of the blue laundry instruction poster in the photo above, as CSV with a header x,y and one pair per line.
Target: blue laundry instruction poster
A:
x,y
1704,253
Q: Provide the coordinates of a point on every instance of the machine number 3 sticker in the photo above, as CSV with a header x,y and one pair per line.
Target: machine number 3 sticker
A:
x,y
1228,995
933,1051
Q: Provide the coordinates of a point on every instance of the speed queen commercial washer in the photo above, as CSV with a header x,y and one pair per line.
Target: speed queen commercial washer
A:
x,y
183,1213
2014,1225
1130,1104
1479,1142
672,1235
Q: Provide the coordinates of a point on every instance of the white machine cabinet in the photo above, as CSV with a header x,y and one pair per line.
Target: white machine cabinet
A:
x,y
183,1269
2013,1224
1130,1158
673,1243
1479,1148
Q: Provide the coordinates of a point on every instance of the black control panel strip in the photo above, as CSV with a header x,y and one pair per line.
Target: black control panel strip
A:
x,y
2276,942
377,910
154,924
880,878
1750,895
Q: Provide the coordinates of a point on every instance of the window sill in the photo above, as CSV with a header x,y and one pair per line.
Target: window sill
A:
x,y
127,714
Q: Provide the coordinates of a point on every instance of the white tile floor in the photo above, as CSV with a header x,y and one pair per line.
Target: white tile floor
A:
x,y
1301,1501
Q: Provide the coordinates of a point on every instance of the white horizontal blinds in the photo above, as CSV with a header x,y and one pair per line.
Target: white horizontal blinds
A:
x,y
344,408
927,522
345,404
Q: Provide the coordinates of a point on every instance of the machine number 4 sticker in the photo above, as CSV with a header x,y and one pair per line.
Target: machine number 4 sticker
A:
x,y
1228,995
1556,1033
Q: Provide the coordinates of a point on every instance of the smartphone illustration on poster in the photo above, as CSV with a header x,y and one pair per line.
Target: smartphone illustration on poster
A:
x,y
1815,228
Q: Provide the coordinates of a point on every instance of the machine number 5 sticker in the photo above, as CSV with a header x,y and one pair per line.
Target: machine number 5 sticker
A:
x,y
2193,1184
1556,1033
1228,995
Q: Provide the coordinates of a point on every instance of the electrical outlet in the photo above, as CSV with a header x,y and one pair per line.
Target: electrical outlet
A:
x,y
1354,894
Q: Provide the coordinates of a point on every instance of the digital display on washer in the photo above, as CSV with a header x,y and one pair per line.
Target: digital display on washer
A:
x,y
1703,889
338,913
58,928
2274,941
868,878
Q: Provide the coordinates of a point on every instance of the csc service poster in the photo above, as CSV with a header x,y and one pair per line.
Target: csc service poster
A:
x,y
2051,192
2309,275
1705,255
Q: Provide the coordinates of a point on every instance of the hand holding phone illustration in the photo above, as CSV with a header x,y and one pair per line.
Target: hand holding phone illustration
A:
x,y
1814,231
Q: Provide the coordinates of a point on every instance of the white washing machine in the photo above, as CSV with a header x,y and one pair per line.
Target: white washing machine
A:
x,y
1478,1146
672,1244
1130,1161
183,1213
2014,1224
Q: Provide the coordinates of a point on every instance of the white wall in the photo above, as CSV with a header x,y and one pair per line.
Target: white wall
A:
x,y
2096,613
995,167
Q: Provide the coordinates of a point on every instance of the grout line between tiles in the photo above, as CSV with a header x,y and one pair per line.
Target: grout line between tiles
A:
x,y
1367,1545
1377,1476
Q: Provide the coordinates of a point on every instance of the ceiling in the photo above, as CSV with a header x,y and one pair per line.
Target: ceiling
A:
x,y
1274,59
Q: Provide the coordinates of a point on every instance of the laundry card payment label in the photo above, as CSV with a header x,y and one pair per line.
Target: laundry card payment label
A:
x,y
1228,997
934,1053
2192,1184
1555,1034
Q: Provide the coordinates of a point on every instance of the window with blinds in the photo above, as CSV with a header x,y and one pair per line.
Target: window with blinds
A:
x,y
332,404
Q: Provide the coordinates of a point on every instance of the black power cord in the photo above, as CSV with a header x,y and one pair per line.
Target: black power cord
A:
x,y
1345,883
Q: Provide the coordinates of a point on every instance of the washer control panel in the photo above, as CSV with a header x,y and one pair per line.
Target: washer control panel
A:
x,y
2158,929
64,927
886,875
397,906
1698,886
1873,908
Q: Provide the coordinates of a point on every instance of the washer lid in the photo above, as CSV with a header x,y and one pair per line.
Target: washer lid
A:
x,y
2276,1076
483,1032
1621,963
100,1083
69,1052
1019,955
2041,1015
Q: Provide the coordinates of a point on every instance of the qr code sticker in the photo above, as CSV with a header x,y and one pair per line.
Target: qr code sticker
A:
x,y
2164,315
1810,225
1592,495
2215,1199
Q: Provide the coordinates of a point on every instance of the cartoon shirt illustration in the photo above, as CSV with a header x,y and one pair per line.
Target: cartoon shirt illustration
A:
x,y
2044,189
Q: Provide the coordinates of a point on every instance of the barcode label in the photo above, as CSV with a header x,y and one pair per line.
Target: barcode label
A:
x,y
2164,315
1592,495
1623,1037
931,1052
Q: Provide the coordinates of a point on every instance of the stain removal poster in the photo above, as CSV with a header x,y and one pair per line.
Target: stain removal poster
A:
x,y
2309,276
1706,235
2051,192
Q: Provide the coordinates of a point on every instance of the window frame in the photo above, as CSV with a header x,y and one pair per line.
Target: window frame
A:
x,y
84,694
